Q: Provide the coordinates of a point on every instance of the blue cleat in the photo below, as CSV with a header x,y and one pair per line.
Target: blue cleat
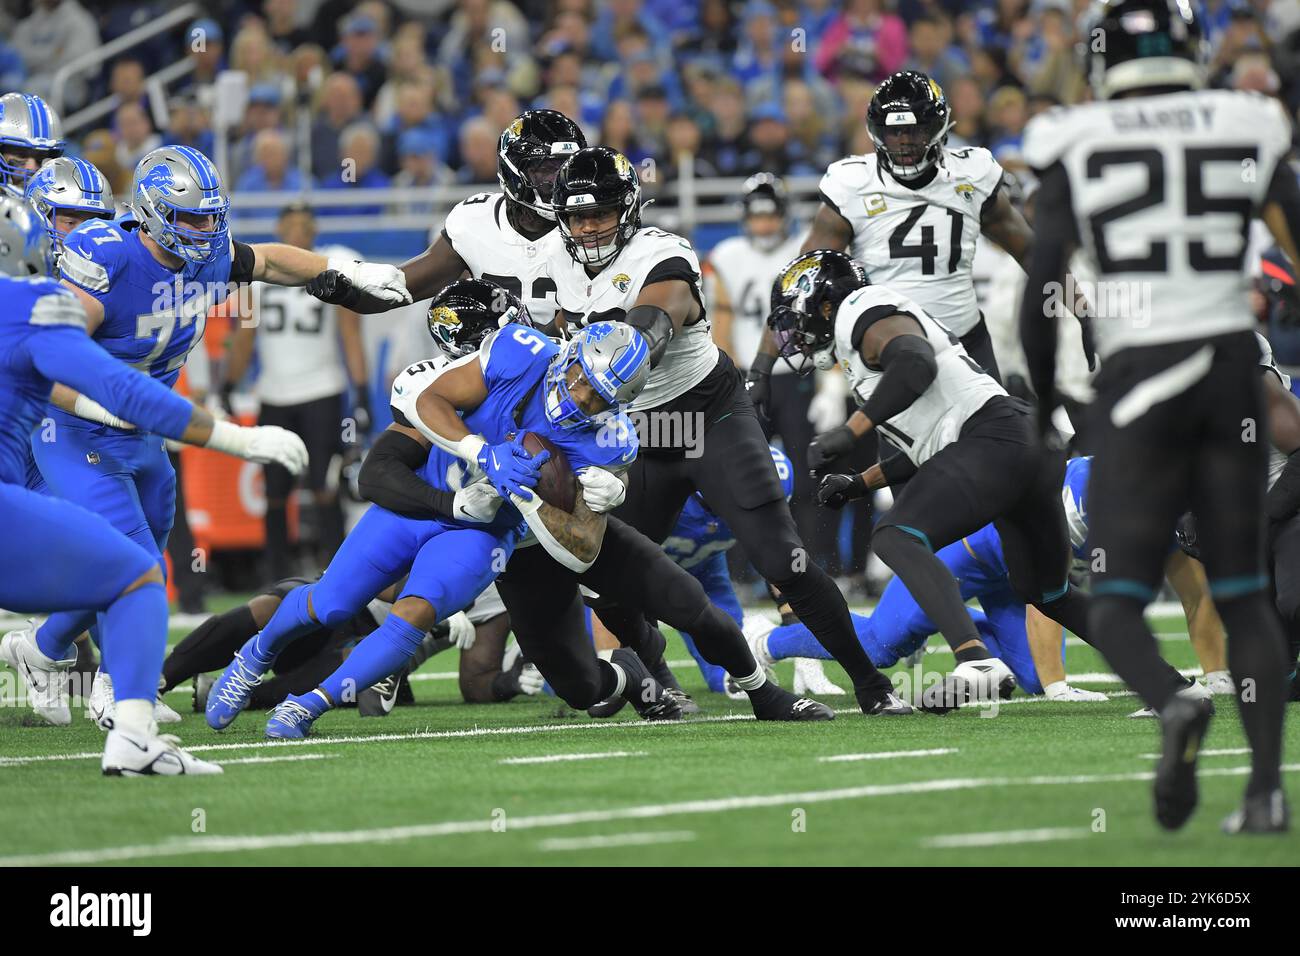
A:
x,y
291,720
229,695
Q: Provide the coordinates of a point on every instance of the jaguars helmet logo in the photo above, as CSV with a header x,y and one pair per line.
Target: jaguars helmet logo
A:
x,y
444,316
936,89
798,280
516,129
622,282
622,164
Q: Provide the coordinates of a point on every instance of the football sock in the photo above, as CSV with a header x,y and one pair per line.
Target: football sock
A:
x,y
1117,629
290,621
822,608
752,682
976,652
1257,658
1070,610
720,640
60,629
795,640
134,715
613,680
929,582
135,640
382,653
277,541
210,646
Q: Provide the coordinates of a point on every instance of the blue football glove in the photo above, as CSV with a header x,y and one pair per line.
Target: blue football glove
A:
x,y
509,467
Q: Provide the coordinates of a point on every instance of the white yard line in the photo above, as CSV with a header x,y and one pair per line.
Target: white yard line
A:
x,y
560,758
1222,752
649,838
188,846
887,755
287,758
958,841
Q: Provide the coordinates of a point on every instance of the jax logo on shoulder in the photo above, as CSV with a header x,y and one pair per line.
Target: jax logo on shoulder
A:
x,y
78,909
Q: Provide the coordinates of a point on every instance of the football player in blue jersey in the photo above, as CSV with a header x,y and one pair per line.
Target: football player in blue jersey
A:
x,y
30,135
146,282
472,415
61,556
67,192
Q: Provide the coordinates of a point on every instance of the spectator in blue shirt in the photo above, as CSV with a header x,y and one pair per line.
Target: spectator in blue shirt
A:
x,y
359,169
270,170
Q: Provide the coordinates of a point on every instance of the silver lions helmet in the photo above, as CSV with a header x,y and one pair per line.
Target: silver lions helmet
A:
x,y
175,181
29,129
612,357
69,186
25,247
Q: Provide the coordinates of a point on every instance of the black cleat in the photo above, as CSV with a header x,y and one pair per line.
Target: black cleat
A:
x,y
1264,813
202,684
1183,724
607,707
684,700
664,675
771,702
379,699
405,696
651,699
888,704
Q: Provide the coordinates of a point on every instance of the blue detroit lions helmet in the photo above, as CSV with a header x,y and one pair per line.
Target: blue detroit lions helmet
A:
x,y
69,185
613,357
27,123
180,179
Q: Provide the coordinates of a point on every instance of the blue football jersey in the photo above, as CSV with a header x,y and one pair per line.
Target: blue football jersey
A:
x,y
152,315
699,533
30,306
514,360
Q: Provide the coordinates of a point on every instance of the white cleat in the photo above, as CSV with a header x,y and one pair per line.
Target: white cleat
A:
x,y
809,678
1220,682
1061,691
1194,691
984,680
102,705
46,679
129,754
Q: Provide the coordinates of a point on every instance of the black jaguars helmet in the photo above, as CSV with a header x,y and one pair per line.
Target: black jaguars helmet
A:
x,y
764,195
463,314
531,151
804,299
908,120
597,180
1140,44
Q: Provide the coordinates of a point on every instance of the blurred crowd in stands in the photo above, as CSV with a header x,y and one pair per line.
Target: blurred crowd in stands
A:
x,y
339,94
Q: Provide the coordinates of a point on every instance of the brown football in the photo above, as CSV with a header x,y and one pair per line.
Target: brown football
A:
x,y
557,483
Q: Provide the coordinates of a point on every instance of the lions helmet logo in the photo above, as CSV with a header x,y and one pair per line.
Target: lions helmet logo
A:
x,y
442,315
622,282
158,177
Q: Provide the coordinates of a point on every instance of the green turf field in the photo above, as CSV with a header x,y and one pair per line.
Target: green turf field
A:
x,y
1039,783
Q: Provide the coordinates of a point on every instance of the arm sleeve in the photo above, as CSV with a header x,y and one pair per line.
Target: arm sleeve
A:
x,y
242,261
389,480
65,354
910,367
1056,232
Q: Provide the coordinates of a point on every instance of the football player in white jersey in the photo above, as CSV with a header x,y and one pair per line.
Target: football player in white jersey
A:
x,y
972,448
493,236
309,353
699,430
1157,181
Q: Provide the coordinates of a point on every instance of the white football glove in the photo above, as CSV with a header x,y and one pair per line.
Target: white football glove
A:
x,y
462,631
826,410
89,409
264,444
530,680
602,490
376,278
1062,691
477,502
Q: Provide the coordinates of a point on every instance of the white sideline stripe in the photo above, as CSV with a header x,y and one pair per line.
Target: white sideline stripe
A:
x,y
558,758
617,839
887,755
287,758
187,846
954,841
1101,677
1222,752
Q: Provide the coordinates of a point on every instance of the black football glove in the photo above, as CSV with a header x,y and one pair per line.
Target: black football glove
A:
x,y
828,446
331,286
361,409
836,491
758,382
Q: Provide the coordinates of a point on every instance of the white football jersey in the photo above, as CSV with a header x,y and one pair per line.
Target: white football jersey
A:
x,y
960,388
298,342
747,273
478,229
1163,189
920,242
1276,458
611,293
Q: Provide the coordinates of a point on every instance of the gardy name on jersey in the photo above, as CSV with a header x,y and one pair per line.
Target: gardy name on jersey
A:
x,y
650,256
919,242
960,387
